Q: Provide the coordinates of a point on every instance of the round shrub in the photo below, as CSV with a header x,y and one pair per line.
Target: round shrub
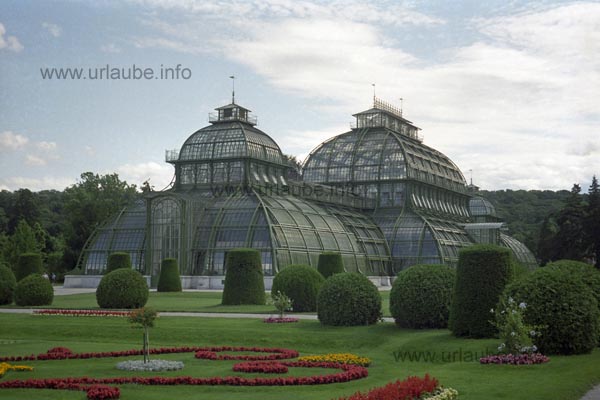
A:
x,y
589,274
481,275
243,278
169,280
301,283
421,296
8,283
118,260
563,309
330,263
34,290
348,299
122,288
29,263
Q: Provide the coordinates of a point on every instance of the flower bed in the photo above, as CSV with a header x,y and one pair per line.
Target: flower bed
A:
x,y
103,392
443,394
411,388
5,367
278,354
342,358
83,313
520,359
152,365
262,367
279,320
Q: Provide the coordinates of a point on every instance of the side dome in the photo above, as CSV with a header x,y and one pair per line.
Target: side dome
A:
x,y
229,151
480,207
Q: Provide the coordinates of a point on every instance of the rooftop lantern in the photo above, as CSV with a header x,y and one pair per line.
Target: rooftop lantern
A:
x,y
384,114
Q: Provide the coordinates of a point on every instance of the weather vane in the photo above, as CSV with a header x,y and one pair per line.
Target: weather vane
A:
x,y
232,77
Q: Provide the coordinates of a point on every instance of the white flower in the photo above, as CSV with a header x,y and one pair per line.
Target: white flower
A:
x,y
532,333
492,310
534,348
513,334
523,306
510,300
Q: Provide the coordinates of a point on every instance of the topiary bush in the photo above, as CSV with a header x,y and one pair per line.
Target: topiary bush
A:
x,y
301,283
29,263
118,260
563,309
587,272
169,280
481,275
421,296
348,299
34,290
122,288
243,278
8,283
330,263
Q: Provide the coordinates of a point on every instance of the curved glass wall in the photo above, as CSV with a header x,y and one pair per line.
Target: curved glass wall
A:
x,y
124,232
521,252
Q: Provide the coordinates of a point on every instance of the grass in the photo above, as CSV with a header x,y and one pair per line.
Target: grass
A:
x,y
452,360
209,302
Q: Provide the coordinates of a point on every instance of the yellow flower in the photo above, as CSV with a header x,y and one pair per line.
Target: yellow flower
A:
x,y
341,358
5,367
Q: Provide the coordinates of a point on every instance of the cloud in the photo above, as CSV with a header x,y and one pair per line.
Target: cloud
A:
x,y
53,29
12,141
159,175
9,42
46,146
35,161
111,48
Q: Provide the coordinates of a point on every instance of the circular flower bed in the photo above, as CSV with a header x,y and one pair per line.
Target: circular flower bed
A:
x,y
261,367
152,365
277,354
520,359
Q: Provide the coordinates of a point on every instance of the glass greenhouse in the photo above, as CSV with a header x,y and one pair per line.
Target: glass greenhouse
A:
x,y
376,194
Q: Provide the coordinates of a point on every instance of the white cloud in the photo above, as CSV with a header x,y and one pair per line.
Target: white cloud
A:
x,y
9,42
35,161
53,29
46,146
12,141
111,48
158,175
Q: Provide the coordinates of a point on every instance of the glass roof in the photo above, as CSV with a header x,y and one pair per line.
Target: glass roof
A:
x,y
380,154
521,252
479,207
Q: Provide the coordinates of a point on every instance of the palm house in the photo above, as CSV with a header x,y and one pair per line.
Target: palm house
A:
x,y
375,194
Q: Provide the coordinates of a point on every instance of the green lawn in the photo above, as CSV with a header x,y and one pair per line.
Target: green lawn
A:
x,y
562,378
183,301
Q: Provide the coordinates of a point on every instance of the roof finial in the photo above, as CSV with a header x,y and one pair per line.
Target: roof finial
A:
x,y
372,84
401,105
471,171
232,77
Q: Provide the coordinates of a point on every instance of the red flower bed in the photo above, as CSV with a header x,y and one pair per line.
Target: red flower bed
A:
x,y
84,313
409,389
278,354
277,320
269,367
102,392
520,359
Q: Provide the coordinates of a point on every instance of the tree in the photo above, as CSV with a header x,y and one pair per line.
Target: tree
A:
x,y
571,239
25,208
88,204
22,241
592,224
547,242
144,317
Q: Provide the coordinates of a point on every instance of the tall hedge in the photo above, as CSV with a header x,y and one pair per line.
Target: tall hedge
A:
x,y
482,273
301,283
348,299
29,263
244,282
122,288
34,290
421,296
118,260
8,283
562,307
169,279
330,263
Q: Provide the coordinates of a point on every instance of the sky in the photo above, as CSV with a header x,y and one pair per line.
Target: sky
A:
x,y
509,90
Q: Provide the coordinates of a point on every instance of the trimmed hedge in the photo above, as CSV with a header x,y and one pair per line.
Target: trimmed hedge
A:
x,y
122,288
34,290
29,263
243,278
169,279
8,284
301,283
482,273
348,299
587,272
330,263
421,296
562,307
118,260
